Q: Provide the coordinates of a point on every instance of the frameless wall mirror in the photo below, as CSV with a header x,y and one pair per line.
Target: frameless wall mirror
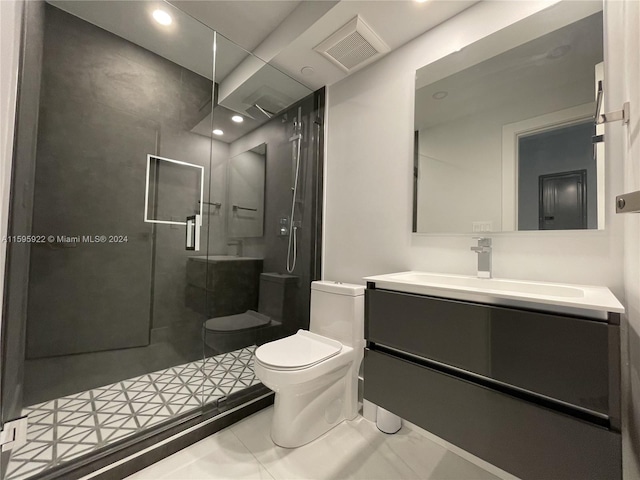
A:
x,y
504,129
246,193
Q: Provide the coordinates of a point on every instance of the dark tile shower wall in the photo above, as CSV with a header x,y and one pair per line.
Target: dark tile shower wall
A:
x,y
279,182
105,105
171,314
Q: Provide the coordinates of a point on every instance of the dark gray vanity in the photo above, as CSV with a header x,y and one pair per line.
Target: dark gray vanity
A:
x,y
533,392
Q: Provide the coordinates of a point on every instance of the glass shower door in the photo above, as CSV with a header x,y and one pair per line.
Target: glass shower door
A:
x,y
107,343
252,298
163,261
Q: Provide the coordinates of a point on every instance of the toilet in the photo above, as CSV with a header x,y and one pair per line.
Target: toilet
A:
x,y
314,373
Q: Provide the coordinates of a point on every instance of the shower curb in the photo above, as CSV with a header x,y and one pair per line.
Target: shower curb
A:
x,y
139,453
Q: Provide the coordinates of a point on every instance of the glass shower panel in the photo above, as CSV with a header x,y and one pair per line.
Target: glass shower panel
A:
x,y
181,213
113,341
260,119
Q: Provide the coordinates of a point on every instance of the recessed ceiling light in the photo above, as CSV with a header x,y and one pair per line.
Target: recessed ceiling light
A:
x,y
237,119
440,95
217,131
421,1
162,17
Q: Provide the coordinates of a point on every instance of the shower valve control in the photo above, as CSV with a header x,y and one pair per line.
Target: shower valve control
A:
x,y
283,231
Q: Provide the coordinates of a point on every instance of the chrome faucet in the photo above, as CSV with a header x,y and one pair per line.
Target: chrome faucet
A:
x,y
484,256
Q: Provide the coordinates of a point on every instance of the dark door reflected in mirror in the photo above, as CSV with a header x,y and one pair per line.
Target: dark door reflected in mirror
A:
x,y
557,179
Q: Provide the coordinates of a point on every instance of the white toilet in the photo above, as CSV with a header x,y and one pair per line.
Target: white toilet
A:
x,y
315,373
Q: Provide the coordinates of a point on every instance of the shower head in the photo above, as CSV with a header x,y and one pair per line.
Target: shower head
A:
x,y
267,113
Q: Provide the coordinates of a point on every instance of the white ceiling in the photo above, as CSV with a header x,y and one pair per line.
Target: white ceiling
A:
x,y
396,22
247,23
282,33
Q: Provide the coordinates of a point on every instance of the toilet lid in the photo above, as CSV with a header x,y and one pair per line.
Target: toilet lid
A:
x,y
301,350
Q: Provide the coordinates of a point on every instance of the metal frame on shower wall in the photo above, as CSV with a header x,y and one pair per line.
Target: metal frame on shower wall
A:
x,y
319,106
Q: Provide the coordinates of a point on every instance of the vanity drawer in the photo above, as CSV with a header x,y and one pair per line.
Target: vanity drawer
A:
x,y
568,359
522,438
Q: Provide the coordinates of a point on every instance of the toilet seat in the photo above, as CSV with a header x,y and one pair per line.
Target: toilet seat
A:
x,y
302,350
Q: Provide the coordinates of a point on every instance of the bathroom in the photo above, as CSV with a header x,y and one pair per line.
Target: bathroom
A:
x,y
357,152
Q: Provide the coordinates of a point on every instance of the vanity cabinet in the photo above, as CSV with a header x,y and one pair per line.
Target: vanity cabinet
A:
x,y
534,393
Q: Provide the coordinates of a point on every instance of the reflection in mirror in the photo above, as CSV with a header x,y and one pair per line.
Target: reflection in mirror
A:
x,y
246,193
503,129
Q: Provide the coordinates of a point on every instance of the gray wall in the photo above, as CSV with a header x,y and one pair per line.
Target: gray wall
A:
x,y
105,105
562,150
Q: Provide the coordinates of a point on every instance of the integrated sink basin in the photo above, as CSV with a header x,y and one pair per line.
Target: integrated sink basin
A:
x,y
593,301
489,284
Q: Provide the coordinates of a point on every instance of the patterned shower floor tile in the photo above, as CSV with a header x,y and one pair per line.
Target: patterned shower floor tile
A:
x,y
69,427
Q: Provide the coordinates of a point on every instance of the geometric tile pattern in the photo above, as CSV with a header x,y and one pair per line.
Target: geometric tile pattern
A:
x,y
72,426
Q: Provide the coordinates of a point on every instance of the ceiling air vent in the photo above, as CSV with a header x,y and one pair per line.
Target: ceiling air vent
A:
x,y
353,46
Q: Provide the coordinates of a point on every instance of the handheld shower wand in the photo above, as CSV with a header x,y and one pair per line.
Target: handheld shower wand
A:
x,y
292,247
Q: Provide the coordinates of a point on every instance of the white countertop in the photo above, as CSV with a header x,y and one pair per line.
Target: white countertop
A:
x,y
593,301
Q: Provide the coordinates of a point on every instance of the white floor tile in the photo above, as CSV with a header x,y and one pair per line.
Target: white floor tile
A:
x,y
422,455
343,452
352,450
221,456
254,431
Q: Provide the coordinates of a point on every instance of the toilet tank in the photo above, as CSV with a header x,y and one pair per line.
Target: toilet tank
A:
x,y
337,312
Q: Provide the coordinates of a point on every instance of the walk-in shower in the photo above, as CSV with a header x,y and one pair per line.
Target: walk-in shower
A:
x,y
162,266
